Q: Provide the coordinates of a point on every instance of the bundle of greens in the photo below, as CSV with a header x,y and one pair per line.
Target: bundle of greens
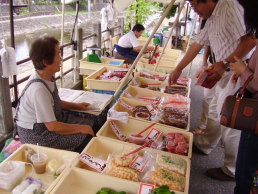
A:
x,y
164,189
109,191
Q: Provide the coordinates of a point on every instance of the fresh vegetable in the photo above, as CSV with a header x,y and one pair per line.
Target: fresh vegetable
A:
x,y
109,191
164,189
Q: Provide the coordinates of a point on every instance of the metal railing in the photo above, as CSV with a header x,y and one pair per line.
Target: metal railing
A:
x,y
16,82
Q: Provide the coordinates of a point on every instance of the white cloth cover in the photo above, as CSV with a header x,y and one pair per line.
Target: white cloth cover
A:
x,y
8,61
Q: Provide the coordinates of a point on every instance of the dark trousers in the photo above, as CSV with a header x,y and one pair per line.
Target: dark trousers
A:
x,y
247,162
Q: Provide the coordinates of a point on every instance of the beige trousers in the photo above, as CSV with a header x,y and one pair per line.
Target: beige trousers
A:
x,y
214,132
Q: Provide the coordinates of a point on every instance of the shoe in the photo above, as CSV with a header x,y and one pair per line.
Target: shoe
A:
x,y
197,150
198,131
218,174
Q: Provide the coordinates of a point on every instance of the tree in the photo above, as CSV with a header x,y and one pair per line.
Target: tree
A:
x,y
139,11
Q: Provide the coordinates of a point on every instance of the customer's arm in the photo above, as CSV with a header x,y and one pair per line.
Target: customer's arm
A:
x,y
67,129
246,44
189,56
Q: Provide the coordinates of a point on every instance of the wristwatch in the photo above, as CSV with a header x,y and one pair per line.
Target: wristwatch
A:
x,y
226,65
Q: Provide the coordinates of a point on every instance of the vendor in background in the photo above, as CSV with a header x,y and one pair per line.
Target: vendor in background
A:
x,y
39,114
247,158
128,47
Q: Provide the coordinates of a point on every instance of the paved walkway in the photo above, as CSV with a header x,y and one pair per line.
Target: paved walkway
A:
x,y
199,183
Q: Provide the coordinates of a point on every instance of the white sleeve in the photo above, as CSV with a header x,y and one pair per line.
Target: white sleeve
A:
x,y
236,24
43,104
134,41
203,38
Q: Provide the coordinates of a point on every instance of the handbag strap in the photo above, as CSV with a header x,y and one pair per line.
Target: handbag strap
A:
x,y
242,91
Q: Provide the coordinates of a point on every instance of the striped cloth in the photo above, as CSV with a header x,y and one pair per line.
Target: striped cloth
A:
x,y
223,29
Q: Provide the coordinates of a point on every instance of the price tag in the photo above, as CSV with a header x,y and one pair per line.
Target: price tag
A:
x,y
139,163
117,131
153,134
127,106
95,163
146,188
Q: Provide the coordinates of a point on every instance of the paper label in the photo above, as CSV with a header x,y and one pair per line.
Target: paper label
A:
x,y
135,82
95,163
152,109
146,188
139,163
128,94
117,131
153,134
127,106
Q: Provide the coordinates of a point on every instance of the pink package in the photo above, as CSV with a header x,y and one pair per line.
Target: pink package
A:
x,y
13,146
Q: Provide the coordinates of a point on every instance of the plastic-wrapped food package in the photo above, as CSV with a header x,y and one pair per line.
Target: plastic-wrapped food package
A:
x,y
184,81
175,101
165,169
175,89
153,76
175,143
116,75
174,117
118,166
142,112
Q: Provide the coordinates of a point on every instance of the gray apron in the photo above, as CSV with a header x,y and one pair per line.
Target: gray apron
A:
x,y
41,135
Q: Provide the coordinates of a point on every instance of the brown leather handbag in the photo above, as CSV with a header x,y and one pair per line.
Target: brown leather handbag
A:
x,y
240,112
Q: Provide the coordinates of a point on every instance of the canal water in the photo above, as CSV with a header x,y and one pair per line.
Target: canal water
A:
x,y
23,42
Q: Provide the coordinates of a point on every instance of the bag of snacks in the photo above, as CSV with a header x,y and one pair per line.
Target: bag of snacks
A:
x,y
165,169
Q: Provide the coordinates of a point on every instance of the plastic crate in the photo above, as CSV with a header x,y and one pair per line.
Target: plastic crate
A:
x,y
78,181
61,156
101,148
107,85
87,68
133,102
135,125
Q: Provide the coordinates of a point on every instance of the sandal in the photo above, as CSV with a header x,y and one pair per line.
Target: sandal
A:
x,y
198,131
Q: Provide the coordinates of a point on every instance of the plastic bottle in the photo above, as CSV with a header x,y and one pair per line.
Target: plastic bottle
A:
x,y
33,188
22,186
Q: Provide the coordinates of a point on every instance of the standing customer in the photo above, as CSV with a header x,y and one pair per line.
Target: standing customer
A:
x,y
247,158
40,117
225,32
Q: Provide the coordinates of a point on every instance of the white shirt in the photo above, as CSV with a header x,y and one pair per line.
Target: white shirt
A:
x,y
37,104
129,40
223,29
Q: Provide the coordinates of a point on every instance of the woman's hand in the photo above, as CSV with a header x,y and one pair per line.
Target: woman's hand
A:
x,y
81,106
238,67
86,129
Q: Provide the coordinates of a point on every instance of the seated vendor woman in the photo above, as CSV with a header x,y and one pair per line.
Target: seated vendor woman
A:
x,y
128,47
39,114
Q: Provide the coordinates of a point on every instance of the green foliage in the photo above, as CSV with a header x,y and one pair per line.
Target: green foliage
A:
x,y
172,11
139,11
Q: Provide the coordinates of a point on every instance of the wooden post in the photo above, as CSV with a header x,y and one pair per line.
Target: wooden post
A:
x,y
122,25
97,30
6,116
78,54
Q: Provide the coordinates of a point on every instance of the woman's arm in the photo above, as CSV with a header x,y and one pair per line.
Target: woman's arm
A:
x,y
74,106
67,129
